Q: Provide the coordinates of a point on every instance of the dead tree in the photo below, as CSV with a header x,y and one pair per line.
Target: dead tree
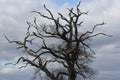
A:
x,y
68,48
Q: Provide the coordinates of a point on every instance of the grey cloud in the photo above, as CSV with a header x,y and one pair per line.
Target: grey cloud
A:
x,y
14,13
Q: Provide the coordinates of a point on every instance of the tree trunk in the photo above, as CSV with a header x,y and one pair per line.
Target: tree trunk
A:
x,y
72,74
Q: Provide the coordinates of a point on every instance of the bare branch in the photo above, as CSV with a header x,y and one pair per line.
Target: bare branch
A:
x,y
72,51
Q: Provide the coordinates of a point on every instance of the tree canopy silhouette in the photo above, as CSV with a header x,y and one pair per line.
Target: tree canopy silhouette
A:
x,y
61,51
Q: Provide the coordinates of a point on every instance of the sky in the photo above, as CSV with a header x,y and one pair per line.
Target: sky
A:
x,y
15,13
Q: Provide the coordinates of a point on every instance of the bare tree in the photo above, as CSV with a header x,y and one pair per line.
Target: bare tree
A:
x,y
68,54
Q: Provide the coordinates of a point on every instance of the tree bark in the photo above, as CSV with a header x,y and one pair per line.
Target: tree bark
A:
x,y
72,73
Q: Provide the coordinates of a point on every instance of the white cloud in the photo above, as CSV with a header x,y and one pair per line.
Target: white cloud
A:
x,y
14,13
12,72
8,70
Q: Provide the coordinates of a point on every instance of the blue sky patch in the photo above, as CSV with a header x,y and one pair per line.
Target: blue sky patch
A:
x,y
70,2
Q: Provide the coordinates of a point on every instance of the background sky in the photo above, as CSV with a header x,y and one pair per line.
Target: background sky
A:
x,y
15,13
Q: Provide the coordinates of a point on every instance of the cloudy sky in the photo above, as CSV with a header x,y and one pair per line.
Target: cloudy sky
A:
x,y
15,13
